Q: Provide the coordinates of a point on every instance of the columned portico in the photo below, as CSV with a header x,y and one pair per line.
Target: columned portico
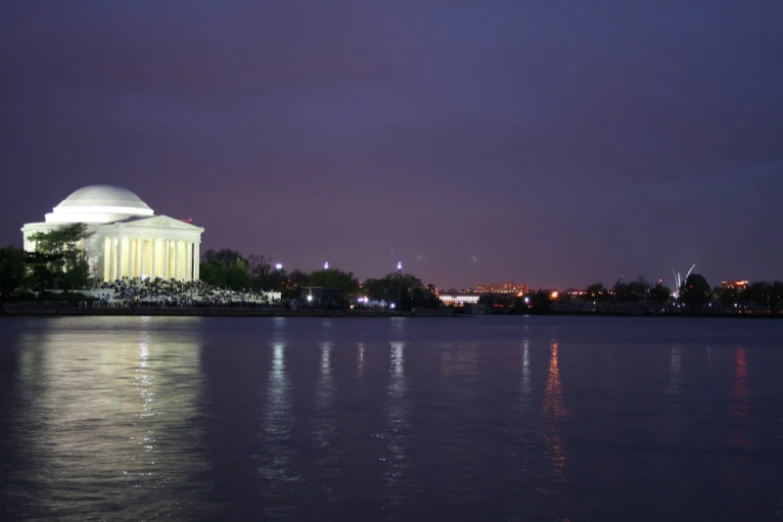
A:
x,y
125,238
141,257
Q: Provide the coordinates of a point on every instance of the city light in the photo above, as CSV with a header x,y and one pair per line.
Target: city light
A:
x,y
279,266
392,306
326,265
309,298
399,265
555,294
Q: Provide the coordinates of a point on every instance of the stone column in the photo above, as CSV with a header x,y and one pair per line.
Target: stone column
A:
x,y
115,268
143,257
107,259
175,262
165,258
155,257
120,256
189,261
196,261
136,257
131,258
180,260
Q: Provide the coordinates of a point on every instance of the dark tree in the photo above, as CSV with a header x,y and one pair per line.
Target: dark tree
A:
x,y
224,256
596,293
660,294
540,302
728,296
12,270
695,291
776,296
346,282
61,253
406,290
226,269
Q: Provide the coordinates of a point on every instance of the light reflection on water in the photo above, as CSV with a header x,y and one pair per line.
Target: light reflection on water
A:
x,y
359,361
555,414
109,410
215,419
397,433
675,377
740,413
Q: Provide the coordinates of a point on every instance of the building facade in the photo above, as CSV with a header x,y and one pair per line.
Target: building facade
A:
x,y
503,288
125,239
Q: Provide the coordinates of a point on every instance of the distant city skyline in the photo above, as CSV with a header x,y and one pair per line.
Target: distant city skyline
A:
x,y
557,145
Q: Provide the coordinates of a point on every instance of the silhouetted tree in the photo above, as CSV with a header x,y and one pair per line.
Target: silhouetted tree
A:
x,y
346,282
406,290
61,254
540,302
225,269
12,270
596,293
695,291
660,294
727,296
776,296
224,256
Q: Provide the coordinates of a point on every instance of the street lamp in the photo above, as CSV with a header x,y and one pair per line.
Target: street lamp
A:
x,y
279,266
326,265
399,282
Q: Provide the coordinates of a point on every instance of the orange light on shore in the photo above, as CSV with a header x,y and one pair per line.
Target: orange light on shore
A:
x,y
555,294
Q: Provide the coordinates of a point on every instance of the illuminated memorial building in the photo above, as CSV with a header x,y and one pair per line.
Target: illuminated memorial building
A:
x,y
125,237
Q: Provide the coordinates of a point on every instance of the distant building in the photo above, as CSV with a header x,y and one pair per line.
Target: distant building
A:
x,y
458,299
734,285
503,288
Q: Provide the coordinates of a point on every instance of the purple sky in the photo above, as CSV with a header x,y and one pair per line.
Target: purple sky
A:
x,y
554,143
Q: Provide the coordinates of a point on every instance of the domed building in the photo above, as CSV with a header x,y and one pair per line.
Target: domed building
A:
x,y
125,237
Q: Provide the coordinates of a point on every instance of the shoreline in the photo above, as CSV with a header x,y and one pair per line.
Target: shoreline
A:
x,y
69,311
54,310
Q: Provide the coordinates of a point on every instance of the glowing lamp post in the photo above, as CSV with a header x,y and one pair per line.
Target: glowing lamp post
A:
x,y
399,283
278,266
326,265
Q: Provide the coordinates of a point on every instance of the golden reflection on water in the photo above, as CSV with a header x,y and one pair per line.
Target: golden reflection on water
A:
x,y
111,414
554,414
740,410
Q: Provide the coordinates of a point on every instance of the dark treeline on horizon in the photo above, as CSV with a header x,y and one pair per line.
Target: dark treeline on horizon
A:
x,y
59,265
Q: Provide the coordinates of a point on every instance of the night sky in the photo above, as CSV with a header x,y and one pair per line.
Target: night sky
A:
x,y
553,143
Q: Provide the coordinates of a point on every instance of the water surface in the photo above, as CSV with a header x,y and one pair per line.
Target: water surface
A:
x,y
489,418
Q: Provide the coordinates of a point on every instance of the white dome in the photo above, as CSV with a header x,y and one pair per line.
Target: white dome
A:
x,y
99,204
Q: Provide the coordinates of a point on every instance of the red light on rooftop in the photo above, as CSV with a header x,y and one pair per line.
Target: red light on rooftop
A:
x,y
187,220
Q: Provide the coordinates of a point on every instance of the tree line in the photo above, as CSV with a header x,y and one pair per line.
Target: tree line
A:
x,y
226,268
58,263
694,295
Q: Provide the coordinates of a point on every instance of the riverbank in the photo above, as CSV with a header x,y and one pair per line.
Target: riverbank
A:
x,y
46,310
65,309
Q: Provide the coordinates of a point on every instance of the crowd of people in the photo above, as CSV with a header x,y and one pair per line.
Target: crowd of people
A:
x,y
158,293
